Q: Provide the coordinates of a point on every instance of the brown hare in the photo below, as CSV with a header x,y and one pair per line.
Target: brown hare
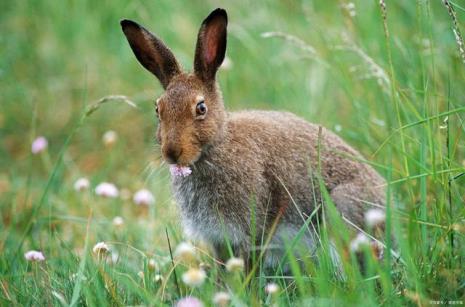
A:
x,y
250,169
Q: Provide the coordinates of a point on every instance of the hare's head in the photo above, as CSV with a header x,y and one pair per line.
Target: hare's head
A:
x,y
190,111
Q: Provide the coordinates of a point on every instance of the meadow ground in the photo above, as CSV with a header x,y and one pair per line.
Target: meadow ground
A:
x,y
389,79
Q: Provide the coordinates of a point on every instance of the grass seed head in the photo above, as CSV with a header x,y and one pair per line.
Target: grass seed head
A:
x,y
375,217
221,299
81,184
152,264
194,277
358,242
109,138
272,288
235,265
101,248
185,252
118,221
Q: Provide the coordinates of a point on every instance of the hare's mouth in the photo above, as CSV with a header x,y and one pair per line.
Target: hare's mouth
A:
x,y
185,159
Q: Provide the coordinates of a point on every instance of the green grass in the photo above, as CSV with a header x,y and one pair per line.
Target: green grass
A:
x,y
393,88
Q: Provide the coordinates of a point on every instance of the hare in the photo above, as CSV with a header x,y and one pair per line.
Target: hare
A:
x,y
254,173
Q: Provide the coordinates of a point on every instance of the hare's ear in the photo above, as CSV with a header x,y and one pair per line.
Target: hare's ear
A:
x,y
211,45
151,52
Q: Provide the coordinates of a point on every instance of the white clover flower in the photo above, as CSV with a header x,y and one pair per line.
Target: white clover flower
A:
x,y
118,221
81,184
221,298
235,264
106,189
101,248
109,138
33,255
39,145
152,264
180,171
194,277
143,198
185,252
358,242
272,288
374,217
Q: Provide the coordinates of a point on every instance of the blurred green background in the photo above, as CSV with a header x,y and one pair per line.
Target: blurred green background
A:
x,y
327,61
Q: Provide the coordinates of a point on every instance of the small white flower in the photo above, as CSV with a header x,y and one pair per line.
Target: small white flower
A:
x,y
235,264
358,242
118,221
272,288
143,198
109,138
39,145
185,252
81,184
158,278
141,274
152,264
180,171
221,299
101,248
194,277
189,301
374,217
107,189
34,256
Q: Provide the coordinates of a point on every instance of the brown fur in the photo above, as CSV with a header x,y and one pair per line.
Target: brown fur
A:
x,y
260,163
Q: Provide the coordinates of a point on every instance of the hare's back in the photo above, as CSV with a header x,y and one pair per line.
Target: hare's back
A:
x,y
291,145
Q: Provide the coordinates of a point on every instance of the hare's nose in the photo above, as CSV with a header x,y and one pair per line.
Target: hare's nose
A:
x,y
172,154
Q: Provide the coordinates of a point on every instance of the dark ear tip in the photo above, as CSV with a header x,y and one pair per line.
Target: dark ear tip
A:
x,y
128,23
219,12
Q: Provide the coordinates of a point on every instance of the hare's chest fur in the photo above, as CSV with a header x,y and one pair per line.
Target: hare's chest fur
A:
x,y
204,215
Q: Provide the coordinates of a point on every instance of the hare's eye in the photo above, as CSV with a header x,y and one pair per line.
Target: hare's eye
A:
x,y
156,110
201,108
